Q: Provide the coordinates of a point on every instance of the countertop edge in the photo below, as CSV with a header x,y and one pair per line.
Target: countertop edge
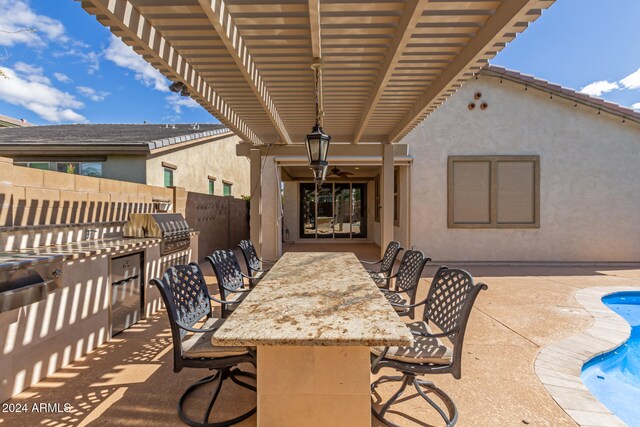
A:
x,y
312,343
73,254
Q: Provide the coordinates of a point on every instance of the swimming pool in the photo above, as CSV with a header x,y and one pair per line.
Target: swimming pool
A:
x,y
614,377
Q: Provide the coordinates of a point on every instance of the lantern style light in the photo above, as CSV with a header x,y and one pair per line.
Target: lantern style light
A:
x,y
318,146
317,141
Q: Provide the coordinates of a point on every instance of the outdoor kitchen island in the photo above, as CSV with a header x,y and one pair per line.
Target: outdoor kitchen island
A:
x,y
313,318
71,315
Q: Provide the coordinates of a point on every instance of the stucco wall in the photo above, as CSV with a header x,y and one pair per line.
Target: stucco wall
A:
x,y
271,243
589,184
195,163
291,210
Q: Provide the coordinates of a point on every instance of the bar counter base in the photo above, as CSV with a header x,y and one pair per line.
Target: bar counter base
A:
x,y
314,386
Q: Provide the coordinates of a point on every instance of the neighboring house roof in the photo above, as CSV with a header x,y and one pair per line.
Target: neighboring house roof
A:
x,y
103,138
556,89
10,122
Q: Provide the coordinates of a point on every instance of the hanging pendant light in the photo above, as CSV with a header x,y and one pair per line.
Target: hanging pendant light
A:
x,y
317,141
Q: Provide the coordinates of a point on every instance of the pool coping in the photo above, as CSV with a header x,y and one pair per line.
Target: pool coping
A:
x,y
558,365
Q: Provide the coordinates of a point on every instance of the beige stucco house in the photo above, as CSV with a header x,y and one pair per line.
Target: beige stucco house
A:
x,y
199,158
10,122
509,168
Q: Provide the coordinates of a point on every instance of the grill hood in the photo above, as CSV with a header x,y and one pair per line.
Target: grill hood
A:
x,y
172,228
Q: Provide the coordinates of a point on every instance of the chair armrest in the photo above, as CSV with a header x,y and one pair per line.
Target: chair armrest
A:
x,y
379,359
439,335
389,291
187,328
223,302
234,290
395,304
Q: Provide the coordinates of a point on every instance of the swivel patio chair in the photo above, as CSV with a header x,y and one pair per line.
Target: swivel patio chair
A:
x,y
188,302
406,283
382,275
447,307
255,264
230,279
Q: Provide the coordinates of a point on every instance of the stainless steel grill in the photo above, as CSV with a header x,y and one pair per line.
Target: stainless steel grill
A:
x,y
171,227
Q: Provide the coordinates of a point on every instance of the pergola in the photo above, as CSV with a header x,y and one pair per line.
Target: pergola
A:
x,y
387,63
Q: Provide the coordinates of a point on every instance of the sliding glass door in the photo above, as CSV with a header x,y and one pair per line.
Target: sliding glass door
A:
x,y
333,210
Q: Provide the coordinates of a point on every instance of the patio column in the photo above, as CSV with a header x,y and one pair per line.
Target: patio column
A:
x,y
255,214
386,214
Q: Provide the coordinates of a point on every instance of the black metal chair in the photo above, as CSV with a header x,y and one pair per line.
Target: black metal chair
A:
x,y
188,302
230,279
406,283
382,275
255,264
447,307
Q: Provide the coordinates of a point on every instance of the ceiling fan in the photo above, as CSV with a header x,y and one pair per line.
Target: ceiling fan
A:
x,y
342,174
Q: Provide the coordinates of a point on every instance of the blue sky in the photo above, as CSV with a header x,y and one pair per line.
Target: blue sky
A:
x,y
72,70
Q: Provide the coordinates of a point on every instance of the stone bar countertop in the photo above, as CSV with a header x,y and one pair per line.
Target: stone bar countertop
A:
x,y
315,299
47,254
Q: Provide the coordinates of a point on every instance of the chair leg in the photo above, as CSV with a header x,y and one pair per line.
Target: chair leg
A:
x,y
238,373
450,417
406,379
220,376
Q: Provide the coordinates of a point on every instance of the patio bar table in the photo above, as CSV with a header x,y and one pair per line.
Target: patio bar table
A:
x,y
313,318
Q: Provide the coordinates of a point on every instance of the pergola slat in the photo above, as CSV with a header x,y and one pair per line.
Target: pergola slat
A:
x,y
224,25
387,63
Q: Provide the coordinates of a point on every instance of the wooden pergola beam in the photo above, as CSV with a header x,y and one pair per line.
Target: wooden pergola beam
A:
x,y
408,22
136,27
481,46
314,23
223,23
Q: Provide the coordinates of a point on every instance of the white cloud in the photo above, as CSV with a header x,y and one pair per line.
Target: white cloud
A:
x,y
636,106
61,77
32,73
176,102
92,60
89,58
632,81
26,88
17,20
92,94
123,56
599,87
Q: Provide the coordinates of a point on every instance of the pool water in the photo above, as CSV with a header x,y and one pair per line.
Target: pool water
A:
x,y
614,377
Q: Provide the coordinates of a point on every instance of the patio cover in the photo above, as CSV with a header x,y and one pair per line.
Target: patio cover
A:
x,y
388,64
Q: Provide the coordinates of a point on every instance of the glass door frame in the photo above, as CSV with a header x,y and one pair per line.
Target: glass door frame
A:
x,y
363,234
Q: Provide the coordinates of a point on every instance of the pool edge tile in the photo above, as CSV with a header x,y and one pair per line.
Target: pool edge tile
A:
x,y
602,336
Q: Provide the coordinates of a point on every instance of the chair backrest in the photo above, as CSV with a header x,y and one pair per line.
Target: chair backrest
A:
x,y
227,270
448,306
390,255
250,256
411,267
186,298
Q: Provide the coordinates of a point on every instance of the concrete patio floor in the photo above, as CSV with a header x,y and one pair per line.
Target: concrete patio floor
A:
x,y
130,381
